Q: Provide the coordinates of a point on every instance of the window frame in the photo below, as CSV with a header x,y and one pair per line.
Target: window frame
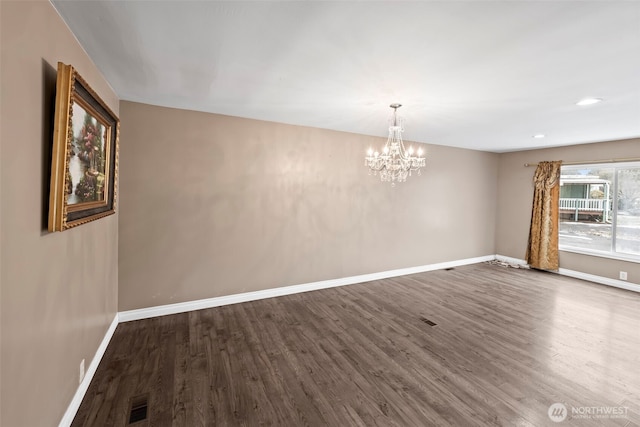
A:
x,y
612,253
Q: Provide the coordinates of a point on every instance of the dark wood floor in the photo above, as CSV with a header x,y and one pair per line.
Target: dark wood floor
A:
x,y
507,344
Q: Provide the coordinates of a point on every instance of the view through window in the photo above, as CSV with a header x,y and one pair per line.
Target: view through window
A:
x,y
600,209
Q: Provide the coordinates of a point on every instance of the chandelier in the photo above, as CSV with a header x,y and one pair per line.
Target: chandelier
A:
x,y
395,163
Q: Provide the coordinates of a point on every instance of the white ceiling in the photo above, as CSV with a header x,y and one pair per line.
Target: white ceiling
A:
x,y
480,75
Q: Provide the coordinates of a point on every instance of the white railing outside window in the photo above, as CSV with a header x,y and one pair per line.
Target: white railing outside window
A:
x,y
583,204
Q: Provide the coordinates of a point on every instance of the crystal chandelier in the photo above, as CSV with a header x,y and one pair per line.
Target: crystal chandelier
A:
x,y
395,163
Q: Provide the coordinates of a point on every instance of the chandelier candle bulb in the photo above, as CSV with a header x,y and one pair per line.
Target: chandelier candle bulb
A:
x,y
396,163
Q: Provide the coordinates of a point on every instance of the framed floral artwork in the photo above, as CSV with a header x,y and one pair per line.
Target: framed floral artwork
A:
x,y
84,165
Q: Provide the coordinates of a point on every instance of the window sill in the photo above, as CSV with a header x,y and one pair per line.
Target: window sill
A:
x,y
616,256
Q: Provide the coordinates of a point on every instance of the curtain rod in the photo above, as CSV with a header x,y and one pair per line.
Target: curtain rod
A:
x,y
593,162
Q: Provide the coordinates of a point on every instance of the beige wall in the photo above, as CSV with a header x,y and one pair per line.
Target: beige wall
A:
x,y
214,205
59,290
515,193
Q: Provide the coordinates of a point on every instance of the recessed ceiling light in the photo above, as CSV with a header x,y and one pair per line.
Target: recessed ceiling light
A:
x,y
588,101
538,136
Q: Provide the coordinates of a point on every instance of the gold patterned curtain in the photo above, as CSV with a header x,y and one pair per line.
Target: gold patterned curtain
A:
x,y
542,251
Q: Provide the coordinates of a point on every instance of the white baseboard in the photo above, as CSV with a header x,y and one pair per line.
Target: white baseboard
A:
x,y
163,310
144,313
599,279
73,407
510,260
580,275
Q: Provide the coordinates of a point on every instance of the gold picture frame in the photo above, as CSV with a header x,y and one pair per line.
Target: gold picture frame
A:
x,y
84,164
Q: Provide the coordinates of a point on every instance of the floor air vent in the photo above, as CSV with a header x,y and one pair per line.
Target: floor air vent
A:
x,y
427,321
139,409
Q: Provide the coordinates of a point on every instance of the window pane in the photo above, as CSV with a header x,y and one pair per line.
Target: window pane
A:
x,y
628,220
586,207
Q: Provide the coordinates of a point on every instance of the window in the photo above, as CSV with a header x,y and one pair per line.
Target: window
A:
x,y
600,209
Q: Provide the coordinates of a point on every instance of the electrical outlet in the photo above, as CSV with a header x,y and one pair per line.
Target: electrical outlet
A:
x,y
81,371
623,275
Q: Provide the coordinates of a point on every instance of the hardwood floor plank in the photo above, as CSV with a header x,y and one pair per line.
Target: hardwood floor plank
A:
x,y
506,344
